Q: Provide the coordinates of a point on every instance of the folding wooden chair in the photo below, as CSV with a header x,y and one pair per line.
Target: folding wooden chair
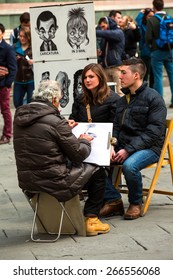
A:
x,y
53,218
166,158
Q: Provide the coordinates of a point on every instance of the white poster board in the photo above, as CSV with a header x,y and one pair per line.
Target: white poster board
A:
x,y
100,145
63,43
73,34
67,73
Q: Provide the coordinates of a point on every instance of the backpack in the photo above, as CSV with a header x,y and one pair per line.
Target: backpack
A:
x,y
166,31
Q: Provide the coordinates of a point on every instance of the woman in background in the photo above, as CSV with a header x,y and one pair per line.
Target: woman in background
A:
x,y
24,81
132,35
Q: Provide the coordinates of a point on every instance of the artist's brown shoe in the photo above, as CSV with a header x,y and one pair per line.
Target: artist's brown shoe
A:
x,y
133,212
114,208
4,140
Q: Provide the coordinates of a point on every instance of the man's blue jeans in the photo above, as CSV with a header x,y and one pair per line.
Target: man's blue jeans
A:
x,y
160,58
131,170
111,193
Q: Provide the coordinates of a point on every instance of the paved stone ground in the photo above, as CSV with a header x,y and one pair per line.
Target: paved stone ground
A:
x,y
149,237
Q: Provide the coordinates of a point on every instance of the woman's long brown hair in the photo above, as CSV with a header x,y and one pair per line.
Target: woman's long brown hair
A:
x,y
102,92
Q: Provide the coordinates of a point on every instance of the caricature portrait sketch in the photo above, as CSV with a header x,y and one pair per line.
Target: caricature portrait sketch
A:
x,y
64,82
77,28
46,27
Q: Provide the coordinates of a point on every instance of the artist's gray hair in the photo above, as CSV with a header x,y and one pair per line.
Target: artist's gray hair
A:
x,y
47,90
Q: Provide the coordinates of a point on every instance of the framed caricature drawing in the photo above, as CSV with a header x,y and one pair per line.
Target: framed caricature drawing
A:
x,y
68,74
63,43
63,32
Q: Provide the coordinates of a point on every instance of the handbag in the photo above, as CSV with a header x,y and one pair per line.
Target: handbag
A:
x,y
88,113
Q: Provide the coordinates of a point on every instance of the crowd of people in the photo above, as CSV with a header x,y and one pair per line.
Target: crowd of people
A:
x,y
49,157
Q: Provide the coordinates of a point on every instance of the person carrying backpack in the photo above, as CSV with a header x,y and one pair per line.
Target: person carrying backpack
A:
x,y
161,51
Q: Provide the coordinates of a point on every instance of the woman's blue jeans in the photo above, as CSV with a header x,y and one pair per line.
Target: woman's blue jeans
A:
x,y
131,170
19,92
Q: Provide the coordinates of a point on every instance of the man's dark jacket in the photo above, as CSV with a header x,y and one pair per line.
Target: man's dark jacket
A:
x,y
8,60
141,123
114,44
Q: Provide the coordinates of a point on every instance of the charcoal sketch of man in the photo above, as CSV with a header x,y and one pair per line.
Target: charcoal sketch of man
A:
x,y
46,27
77,86
77,28
45,76
64,82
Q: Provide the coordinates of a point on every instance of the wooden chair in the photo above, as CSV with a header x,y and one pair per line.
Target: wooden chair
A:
x,y
166,158
53,218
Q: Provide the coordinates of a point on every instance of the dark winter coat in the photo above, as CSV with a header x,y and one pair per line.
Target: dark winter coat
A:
x,y
8,60
131,39
48,156
114,44
104,112
141,124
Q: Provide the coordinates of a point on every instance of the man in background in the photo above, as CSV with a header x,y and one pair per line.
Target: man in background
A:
x,y
159,56
24,22
8,66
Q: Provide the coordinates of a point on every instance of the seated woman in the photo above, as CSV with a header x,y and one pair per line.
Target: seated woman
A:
x,y
98,103
49,157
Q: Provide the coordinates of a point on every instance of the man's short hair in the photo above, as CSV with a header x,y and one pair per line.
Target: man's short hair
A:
x,y
25,17
2,28
158,4
136,65
113,13
103,19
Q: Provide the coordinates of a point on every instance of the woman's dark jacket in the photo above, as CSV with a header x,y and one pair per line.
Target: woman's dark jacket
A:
x,y
104,112
113,44
131,39
141,124
48,156
25,71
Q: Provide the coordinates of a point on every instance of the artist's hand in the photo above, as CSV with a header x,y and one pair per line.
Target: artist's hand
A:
x,y
72,123
120,156
86,136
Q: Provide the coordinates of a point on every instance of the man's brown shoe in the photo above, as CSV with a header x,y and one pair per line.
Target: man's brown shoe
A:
x,y
114,208
4,140
133,212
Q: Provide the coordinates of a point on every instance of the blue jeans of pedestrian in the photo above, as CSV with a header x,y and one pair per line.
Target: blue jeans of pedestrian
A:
x,y
131,170
160,58
19,92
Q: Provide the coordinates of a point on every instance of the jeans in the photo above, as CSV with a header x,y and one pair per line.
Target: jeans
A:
x,y
131,170
5,111
96,188
19,92
160,58
111,193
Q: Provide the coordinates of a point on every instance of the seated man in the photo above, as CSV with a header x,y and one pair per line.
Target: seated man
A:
x,y
50,158
139,126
